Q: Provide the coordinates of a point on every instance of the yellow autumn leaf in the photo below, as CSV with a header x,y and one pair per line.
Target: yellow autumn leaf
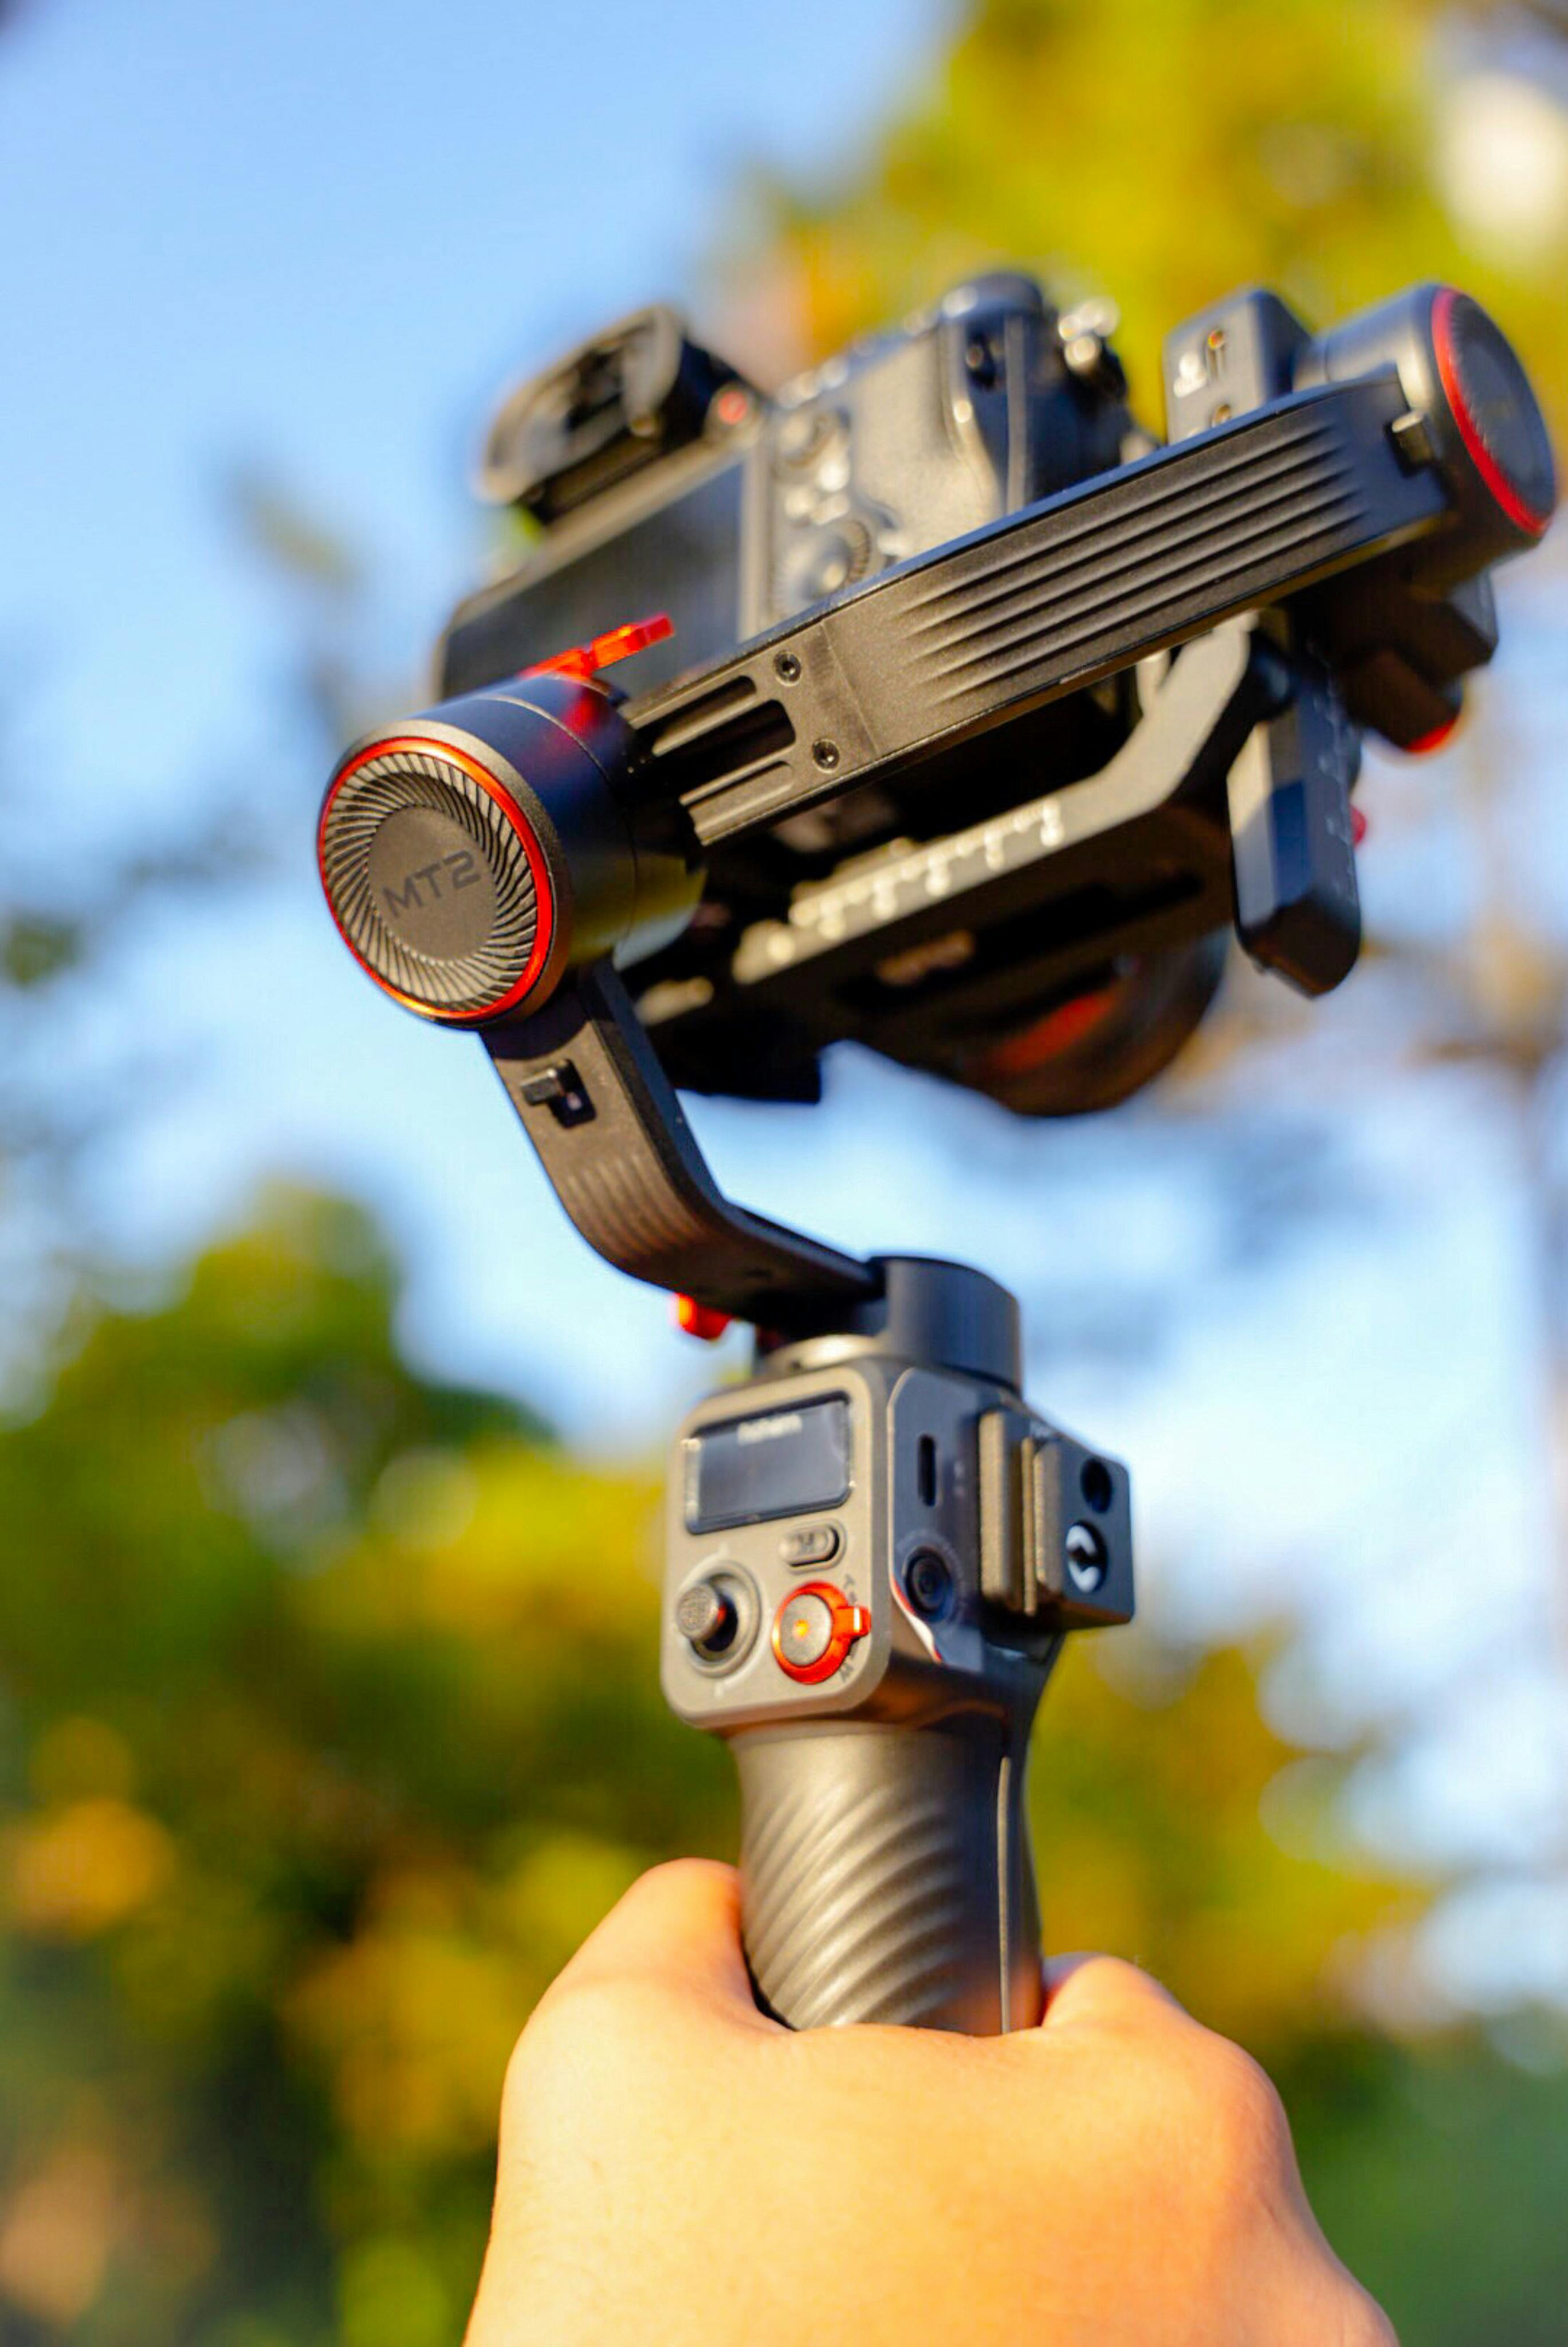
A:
x,y
76,1869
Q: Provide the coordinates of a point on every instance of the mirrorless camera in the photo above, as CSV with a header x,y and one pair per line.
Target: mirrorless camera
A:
x,y
972,719
663,482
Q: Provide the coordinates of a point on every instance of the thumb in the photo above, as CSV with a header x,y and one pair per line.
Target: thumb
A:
x,y
678,1928
1104,1991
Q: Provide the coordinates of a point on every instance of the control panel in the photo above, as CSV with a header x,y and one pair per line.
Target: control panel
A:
x,y
838,1532
778,1508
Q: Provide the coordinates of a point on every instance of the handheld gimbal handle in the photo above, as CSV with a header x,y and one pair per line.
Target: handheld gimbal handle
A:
x,y
887,1874
875,1550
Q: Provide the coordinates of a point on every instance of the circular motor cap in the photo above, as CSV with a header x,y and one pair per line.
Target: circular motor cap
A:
x,y
1498,414
437,879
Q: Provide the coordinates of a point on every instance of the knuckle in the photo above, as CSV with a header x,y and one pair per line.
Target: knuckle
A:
x,y
1248,2130
567,2038
679,1873
1116,1999
1117,1981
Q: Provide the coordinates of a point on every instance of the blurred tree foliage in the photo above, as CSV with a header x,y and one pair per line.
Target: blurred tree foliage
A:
x,y
1163,152
330,1723
329,1715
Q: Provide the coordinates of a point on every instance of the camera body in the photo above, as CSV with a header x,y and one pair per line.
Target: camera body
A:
x,y
662,481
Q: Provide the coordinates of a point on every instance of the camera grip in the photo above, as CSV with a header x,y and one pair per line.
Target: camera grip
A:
x,y
887,1874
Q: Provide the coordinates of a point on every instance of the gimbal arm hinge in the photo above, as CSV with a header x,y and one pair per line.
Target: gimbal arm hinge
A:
x,y
616,1146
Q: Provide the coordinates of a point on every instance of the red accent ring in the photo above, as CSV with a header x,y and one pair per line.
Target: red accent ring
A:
x,y
527,840
1501,487
850,1623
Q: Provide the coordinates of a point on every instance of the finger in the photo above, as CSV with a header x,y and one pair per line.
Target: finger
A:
x,y
1100,1992
678,1927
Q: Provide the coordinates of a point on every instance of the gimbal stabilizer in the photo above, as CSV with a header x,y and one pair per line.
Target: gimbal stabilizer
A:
x,y
876,1549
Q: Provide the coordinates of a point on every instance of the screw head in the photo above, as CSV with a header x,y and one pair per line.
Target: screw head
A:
x,y
786,667
825,754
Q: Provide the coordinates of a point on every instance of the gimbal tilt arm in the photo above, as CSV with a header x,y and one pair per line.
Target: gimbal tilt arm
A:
x,y
616,1146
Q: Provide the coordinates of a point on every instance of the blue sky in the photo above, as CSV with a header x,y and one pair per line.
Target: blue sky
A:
x,y
319,238
324,235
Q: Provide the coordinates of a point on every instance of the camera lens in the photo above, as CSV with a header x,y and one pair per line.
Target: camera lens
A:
x,y
1094,1050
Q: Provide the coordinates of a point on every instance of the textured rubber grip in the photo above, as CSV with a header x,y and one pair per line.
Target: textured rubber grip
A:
x,y
887,1874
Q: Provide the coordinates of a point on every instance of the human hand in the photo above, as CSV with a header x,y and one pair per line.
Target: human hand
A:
x,y
678,2170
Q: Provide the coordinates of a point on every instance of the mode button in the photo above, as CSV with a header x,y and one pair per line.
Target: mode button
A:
x,y
817,1545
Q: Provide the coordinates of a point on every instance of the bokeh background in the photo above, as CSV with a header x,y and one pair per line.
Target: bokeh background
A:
x,y
328,1457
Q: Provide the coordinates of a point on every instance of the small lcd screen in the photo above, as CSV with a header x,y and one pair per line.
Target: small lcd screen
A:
x,y
783,1462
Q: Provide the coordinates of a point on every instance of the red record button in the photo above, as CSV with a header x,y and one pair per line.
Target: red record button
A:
x,y
814,1629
